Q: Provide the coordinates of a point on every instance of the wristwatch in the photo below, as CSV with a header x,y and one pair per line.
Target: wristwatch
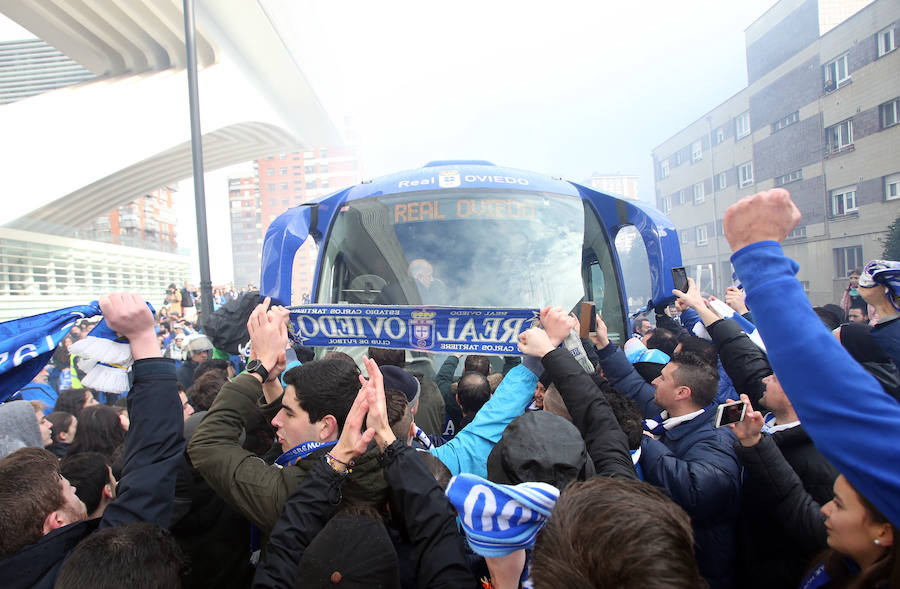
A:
x,y
256,367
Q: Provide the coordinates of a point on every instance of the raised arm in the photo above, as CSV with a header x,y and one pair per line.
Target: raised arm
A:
x,y
839,403
591,414
155,440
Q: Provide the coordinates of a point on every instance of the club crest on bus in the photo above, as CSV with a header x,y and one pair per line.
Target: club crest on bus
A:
x,y
448,179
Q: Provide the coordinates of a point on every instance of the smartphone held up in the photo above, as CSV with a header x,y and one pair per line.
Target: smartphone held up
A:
x,y
730,413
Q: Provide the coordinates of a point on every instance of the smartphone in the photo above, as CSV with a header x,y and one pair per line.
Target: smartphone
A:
x,y
729,413
587,321
679,278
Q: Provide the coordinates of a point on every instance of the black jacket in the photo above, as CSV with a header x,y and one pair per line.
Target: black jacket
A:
x,y
744,362
430,522
781,527
815,472
605,441
153,447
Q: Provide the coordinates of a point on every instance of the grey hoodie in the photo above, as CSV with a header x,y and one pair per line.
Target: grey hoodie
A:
x,y
18,427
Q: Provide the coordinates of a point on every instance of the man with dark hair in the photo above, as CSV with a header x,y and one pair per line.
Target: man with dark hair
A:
x,y
683,452
702,348
388,357
308,416
90,474
477,363
612,532
42,519
859,313
137,556
205,388
472,392
662,340
219,364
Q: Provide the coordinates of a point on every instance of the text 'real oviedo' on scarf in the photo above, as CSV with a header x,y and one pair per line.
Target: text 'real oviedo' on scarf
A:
x,y
469,330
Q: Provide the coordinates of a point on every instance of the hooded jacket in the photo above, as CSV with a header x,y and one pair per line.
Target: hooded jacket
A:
x,y
468,451
18,427
256,489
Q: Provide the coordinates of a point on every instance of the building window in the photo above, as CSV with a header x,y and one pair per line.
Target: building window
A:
x,y
890,113
323,152
282,156
271,187
742,125
837,73
789,177
285,201
786,121
680,194
310,184
677,158
664,169
699,194
696,151
684,237
846,259
284,185
272,202
745,174
323,167
843,201
270,172
798,233
839,137
720,135
666,204
886,41
721,181
324,182
892,187
282,171
702,235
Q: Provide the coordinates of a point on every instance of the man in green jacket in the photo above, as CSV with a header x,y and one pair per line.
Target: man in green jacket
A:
x,y
308,416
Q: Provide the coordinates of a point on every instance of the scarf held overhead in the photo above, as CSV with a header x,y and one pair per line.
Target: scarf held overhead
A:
x,y
434,329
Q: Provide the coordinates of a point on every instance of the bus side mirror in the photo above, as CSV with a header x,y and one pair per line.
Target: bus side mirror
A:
x,y
283,238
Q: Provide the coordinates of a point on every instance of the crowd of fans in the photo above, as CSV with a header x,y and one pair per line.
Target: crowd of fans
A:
x,y
278,470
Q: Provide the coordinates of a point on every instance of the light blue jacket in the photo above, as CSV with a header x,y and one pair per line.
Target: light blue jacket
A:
x,y
468,450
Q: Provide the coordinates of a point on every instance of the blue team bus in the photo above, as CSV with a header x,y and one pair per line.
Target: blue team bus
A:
x,y
469,233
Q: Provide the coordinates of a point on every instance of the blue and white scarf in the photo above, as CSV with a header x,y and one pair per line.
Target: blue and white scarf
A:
x,y
500,519
885,273
301,451
27,344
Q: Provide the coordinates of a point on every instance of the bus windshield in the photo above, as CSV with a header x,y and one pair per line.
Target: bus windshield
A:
x,y
500,248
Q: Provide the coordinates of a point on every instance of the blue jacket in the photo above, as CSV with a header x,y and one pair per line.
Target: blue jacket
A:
x,y
153,448
847,413
695,463
468,450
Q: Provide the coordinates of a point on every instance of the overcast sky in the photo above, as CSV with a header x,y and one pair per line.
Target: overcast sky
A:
x,y
567,88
